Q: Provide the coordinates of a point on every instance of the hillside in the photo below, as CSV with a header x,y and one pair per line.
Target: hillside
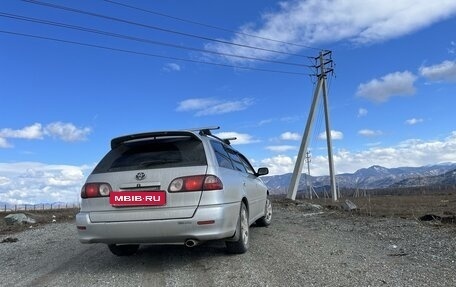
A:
x,y
374,177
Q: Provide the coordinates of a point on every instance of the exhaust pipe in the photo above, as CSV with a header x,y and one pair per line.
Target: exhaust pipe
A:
x,y
191,243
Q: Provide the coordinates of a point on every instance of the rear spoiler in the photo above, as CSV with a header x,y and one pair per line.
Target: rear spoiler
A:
x,y
116,142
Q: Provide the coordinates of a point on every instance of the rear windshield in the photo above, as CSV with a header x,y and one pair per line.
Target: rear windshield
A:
x,y
154,153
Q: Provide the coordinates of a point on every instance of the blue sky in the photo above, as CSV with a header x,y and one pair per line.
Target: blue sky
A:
x,y
391,99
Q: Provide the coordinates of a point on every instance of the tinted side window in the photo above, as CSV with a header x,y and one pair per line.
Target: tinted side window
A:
x,y
221,155
247,164
154,153
238,165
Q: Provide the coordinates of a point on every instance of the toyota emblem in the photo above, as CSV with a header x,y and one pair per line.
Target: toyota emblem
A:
x,y
140,176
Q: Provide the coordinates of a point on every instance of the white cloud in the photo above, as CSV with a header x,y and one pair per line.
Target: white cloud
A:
x,y
34,131
240,137
317,22
443,72
396,18
264,122
370,133
67,131
279,164
4,180
281,148
226,107
172,67
413,121
209,106
195,104
452,48
291,119
335,135
394,84
63,131
373,144
411,152
34,182
290,136
4,143
362,112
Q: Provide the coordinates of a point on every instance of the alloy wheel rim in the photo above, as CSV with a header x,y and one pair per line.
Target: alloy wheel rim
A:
x,y
268,210
244,227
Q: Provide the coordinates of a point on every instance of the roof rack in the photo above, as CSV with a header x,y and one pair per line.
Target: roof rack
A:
x,y
204,130
207,132
226,140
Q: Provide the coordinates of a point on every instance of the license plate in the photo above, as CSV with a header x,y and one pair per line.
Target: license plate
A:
x,y
137,198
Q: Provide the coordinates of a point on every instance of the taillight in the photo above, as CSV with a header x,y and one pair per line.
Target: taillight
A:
x,y
195,183
90,190
211,182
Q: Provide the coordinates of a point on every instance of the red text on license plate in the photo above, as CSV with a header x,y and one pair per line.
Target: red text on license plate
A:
x,y
137,198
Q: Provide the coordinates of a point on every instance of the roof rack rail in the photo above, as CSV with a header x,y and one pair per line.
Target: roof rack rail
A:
x,y
204,130
225,140
228,140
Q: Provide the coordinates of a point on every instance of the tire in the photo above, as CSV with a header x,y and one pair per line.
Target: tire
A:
x,y
242,244
267,218
123,250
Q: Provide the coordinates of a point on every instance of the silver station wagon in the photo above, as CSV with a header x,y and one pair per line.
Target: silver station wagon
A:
x,y
172,187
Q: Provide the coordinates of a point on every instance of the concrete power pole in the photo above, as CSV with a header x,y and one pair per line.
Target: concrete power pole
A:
x,y
309,184
324,59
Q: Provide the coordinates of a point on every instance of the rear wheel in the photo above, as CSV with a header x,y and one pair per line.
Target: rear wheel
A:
x,y
123,250
267,218
242,244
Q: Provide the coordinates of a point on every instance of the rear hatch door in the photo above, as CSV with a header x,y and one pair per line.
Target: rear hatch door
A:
x,y
148,166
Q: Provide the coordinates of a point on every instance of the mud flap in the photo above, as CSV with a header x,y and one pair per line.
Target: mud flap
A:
x,y
237,233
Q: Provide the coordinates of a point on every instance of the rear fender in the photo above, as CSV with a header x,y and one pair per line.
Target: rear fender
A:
x,y
237,233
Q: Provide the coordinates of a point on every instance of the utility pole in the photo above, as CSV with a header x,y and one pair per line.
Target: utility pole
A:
x,y
309,183
324,67
332,174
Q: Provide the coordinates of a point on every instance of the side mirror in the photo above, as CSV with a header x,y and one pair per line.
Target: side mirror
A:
x,y
262,171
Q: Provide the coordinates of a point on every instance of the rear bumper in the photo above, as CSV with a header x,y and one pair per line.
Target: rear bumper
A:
x,y
170,231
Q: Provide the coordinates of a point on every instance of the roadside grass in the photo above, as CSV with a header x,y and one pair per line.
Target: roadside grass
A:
x,y
404,206
42,217
438,207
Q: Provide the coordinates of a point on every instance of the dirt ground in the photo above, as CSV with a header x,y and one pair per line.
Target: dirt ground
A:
x,y
441,206
306,245
42,217
405,206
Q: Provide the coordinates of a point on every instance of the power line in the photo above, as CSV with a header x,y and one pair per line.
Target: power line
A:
x,y
157,28
143,40
208,25
148,54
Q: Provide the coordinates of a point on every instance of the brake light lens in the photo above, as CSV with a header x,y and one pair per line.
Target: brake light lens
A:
x,y
91,190
195,183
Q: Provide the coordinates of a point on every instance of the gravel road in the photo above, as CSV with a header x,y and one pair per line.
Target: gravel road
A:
x,y
302,247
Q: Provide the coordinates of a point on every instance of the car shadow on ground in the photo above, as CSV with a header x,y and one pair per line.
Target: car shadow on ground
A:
x,y
210,248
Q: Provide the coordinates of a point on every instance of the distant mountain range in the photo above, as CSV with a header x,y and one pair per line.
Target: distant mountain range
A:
x,y
374,177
